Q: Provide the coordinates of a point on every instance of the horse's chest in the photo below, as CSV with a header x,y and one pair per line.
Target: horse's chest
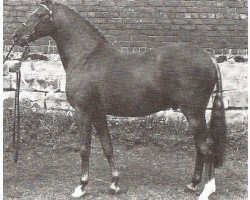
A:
x,y
78,91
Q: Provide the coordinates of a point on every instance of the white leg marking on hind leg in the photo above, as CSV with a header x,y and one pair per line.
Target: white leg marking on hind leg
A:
x,y
115,188
208,189
78,192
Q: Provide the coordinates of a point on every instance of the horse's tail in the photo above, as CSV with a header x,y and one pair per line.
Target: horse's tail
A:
x,y
217,127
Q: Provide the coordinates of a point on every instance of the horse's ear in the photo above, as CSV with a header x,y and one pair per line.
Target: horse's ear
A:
x,y
46,1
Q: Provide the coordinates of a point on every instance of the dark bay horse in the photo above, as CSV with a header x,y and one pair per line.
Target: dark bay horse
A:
x,y
102,80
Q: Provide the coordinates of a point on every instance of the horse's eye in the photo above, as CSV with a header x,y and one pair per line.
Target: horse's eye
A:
x,y
36,15
42,15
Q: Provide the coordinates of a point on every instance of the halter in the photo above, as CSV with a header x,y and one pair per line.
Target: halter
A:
x,y
32,30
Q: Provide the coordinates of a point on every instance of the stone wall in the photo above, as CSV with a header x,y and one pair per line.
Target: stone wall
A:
x,y
136,25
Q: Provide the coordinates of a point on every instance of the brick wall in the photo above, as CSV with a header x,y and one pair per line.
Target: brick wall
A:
x,y
136,25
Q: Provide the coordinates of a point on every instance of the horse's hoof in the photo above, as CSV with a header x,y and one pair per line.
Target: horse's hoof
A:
x,y
191,188
78,192
203,198
114,189
208,190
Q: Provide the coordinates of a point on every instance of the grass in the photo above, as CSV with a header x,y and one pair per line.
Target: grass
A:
x,y
155,158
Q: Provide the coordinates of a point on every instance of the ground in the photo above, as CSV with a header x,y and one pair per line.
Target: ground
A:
x,y
49,163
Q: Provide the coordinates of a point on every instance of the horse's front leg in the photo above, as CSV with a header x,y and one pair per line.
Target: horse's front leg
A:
x,y
101,126
84,127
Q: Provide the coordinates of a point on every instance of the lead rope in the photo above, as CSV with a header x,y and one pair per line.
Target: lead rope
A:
x,y
16,130
16,125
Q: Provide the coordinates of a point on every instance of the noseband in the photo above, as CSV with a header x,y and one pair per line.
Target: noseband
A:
x,y
32,30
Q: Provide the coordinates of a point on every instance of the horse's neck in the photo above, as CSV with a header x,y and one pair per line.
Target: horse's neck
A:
x,y
76,40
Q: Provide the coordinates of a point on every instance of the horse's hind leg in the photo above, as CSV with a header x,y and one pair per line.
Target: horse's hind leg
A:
x,y
84,127
198,170
204,148
103,133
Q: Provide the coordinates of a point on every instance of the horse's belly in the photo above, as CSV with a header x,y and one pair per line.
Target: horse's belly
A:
x,y
137,108
132,112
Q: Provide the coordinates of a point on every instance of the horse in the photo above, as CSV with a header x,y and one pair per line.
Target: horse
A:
x,y
103,80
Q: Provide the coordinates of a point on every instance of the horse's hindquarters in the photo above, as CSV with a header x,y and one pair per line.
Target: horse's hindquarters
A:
x,y
190,77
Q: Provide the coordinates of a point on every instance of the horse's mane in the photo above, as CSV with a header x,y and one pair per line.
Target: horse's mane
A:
x,y
89,23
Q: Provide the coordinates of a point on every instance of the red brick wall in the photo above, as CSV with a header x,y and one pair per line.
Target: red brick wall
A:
x,y
136,25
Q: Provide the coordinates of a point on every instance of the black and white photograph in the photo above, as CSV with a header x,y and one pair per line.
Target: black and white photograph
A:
x,y
125,99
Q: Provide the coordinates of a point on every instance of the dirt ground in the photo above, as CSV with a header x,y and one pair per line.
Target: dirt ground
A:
x,y
147,172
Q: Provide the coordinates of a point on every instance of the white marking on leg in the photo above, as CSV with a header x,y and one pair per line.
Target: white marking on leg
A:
x,y
85,178
115,188
78,192
208,189
115,173
190,187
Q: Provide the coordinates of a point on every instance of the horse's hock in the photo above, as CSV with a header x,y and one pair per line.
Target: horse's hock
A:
x,y
43,87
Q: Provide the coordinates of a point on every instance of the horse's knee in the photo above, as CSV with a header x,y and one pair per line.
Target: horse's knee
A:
x,y
84,152
108,151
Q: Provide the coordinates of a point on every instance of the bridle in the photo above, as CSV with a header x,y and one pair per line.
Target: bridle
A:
x,y
32,30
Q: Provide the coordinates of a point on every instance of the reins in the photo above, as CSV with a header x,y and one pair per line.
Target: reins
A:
x,y
16,125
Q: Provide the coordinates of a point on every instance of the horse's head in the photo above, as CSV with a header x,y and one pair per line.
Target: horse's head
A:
x,y
39,24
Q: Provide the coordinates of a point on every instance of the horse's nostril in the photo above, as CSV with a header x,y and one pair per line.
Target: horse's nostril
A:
x,y
15,36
